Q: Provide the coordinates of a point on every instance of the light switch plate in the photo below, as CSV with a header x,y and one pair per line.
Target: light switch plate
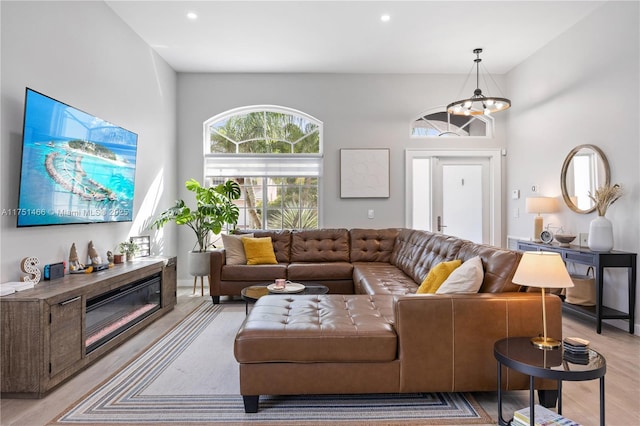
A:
x,y
515,194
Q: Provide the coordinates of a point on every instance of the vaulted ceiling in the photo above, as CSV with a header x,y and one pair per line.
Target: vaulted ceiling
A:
x,y
348,36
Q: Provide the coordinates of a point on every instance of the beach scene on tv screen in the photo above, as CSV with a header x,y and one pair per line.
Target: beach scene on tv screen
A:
x,y
76,168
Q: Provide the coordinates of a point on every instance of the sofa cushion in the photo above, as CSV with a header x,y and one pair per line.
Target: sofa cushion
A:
x,y
254,273
320,271
499,266
437,275
416,252
234,249
322,328
467,278
320,245
259,251
372,245
381,278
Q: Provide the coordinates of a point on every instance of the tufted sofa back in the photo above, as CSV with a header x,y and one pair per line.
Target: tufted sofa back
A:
x,y
281,242
499,266
416,252
372,245
320,245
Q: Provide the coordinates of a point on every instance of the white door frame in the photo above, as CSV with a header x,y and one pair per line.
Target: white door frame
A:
x,y
495,184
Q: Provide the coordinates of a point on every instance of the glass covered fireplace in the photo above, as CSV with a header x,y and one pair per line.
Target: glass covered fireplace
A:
x,y
115,311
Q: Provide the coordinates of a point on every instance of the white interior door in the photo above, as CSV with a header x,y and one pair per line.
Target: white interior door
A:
x,y
455,192
461,197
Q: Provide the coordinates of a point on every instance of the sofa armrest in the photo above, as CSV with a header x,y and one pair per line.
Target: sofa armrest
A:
x,y
216,262
445,342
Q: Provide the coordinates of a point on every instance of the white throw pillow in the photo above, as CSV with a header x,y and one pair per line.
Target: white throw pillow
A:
x,y
234,249
467,278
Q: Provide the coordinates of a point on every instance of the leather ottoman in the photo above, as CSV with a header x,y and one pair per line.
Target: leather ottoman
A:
x,y
304,332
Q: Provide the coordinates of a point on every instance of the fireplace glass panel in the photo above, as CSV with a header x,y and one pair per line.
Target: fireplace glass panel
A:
x,y
114,312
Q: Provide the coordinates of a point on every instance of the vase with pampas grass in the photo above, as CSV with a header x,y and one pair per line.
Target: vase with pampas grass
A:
x,y
600,228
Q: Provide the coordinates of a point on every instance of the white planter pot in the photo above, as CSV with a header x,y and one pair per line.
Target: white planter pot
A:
x,y
600,234
199,263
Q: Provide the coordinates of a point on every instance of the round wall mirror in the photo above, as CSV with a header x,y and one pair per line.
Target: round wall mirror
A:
x,y
584,170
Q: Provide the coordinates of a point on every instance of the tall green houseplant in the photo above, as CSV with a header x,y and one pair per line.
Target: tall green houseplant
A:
x,y
214,209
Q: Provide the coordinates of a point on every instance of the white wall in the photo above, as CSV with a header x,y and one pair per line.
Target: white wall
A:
x,y
358,111
582,88
83,54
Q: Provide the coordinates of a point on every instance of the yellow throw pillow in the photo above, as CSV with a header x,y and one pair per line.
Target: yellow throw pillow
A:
x,y
437,275
259,251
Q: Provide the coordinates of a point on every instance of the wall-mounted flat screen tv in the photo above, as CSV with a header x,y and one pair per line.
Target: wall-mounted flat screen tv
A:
x,y
76,168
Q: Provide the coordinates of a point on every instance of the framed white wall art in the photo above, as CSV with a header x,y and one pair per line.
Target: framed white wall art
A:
x,y
364,173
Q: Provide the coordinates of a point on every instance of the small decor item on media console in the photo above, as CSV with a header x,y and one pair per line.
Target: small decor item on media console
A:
x,y
29,265
93,255
110,258
546,236
128,248
75,267
96,260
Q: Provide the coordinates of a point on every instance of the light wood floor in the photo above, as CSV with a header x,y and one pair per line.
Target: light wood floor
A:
x,y
580,399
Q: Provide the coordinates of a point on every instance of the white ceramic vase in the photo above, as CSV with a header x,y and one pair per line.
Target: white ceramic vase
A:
x,y
199,263
600,234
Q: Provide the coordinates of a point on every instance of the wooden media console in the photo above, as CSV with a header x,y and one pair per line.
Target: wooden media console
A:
x,y
55,330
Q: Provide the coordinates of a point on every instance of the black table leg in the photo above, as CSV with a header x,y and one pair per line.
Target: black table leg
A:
x,y
501,421
560,397
602,401
532,402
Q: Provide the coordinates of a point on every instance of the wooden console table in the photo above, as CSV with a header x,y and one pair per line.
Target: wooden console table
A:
x,y
599,260
44,333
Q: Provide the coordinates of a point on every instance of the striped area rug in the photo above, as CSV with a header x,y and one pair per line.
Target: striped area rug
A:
x,y
189,376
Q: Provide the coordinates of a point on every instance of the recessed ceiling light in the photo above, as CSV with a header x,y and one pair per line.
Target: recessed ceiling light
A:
x,y
385,18
192,15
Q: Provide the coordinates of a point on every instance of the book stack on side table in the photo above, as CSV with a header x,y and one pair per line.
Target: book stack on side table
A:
x,y
576,350
544,417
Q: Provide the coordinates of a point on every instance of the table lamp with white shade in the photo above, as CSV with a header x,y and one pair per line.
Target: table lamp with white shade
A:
x,y
545,270
539,205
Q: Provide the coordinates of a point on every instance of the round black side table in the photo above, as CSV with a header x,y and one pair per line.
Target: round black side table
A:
x,y
519,354
252,293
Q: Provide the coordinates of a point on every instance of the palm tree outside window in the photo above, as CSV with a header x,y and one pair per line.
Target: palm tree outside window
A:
x,y
275,154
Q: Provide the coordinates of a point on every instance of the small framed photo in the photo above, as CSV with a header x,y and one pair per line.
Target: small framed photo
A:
x,y
144,245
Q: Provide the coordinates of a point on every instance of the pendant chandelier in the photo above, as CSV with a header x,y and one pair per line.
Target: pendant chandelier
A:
x,y
478,104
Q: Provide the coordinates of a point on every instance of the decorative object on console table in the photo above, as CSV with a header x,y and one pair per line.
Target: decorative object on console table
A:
x,y
583,291
564,239
96,259
74,261
539,205
600,228
128,248
29,265
144,245
545,270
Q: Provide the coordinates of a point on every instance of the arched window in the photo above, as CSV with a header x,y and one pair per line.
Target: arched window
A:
x,y
275,154
437,123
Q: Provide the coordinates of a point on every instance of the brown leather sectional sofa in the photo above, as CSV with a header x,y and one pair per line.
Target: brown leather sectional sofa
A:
x,y
372,334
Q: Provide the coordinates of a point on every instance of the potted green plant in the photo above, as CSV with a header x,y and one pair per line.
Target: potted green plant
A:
x,y
214,209
128,248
